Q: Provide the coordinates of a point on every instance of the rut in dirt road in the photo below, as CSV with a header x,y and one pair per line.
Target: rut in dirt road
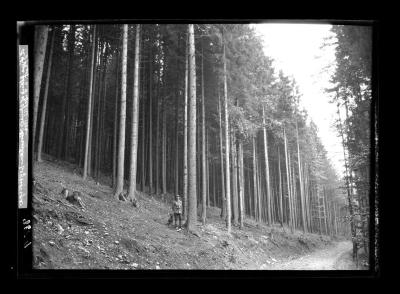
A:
x,y
332,258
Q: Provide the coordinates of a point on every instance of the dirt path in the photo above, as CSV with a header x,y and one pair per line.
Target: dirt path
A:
x,y
330,258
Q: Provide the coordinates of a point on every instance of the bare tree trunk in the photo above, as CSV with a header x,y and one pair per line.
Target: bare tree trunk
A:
x,y
185,134
143,149
89,115
301,182
208,170
234,181
176,177
227,151
135,120
223,210
44,106
115,133
288,181
280,188
255,191
121,140
157,176
192,185
164,151
41,33
150,123
241,183
267,169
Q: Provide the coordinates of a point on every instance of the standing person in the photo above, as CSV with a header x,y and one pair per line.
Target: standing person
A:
x,y
177,209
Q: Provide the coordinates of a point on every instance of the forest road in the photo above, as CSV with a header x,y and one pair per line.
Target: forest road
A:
x,y
334,257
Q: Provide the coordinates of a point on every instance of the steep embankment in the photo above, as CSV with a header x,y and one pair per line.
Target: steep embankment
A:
x,y
110,234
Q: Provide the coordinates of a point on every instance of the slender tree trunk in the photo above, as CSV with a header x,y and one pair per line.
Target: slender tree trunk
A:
x,y
121,140
203,144
115,133
255,191
280,188
143,149
241,183
227,151
157,175
185,134
89,115
176,177
99,107
41,34
207,171
164,150
234,181
192,185
288,181
135,120
223,196
267,177
301,182
151,188
44,106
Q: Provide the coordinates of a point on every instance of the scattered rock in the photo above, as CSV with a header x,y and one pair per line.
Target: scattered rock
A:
x,y
86,232
134,264
120,256
116,242
60,229
51,243
157,267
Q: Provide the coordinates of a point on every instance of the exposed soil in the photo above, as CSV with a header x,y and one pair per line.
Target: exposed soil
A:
x,y
334,257
110,234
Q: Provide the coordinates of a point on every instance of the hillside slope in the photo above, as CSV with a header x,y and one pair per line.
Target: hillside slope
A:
x,y
110,234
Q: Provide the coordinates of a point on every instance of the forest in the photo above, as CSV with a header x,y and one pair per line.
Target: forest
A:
x,y
198,110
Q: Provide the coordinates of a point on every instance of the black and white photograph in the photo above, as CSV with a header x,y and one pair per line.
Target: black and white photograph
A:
x,y
229,145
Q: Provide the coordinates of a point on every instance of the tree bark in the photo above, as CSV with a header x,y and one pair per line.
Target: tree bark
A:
x,y
115,133
41,34
46,91
255,190
290,219
203,145
185,134
89,115
227,150
135,120
150,134
267,177
241,183
192,185
280,188
223,197
121,140
235,202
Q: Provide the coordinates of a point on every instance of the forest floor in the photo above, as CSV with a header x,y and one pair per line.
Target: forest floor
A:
x,y
111,234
